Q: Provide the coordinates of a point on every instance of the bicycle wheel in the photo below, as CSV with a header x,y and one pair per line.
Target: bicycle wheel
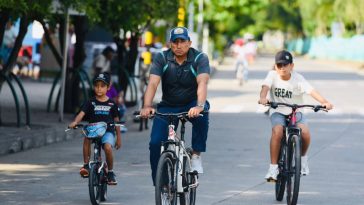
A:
x,y
294,168
166,183
189,195
103,185
281,178
94,185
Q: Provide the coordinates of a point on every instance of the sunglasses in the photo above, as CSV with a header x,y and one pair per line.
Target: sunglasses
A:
x,y
282,65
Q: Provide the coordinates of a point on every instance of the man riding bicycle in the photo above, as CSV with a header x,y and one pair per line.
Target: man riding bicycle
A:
x,y
184,73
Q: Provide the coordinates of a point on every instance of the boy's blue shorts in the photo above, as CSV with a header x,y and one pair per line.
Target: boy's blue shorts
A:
x,y
280,119
109,138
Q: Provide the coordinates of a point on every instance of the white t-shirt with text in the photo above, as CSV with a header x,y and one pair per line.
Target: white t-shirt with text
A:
x,y
287,91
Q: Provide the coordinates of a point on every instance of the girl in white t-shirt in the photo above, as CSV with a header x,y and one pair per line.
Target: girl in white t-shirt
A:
x,y
287,86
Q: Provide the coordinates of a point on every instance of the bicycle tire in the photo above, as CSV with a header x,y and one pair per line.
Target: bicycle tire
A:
x,y
189,195
294,170
281,179
166,181
94,185
103,186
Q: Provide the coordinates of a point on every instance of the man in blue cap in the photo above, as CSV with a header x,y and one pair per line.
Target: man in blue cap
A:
x,y
184,73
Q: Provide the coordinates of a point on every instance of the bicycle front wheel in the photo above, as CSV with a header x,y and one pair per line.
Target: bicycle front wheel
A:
x,y
294,167
94,185
166,183
188,197
281,178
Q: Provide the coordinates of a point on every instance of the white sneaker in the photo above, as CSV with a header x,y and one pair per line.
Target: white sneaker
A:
x,y
304,166
196,163
272,173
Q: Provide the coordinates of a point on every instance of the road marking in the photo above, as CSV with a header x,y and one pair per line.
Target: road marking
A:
x,y
232,109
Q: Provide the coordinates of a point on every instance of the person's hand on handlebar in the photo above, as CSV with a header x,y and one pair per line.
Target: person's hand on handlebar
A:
x,y
195,111
327,105
146,111
72,124
263,101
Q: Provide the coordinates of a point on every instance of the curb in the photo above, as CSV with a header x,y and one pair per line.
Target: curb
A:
x,y
26,138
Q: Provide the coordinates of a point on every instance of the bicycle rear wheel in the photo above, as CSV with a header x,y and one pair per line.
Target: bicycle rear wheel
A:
x,y
188,197
166,183
281,178
294,168
94,185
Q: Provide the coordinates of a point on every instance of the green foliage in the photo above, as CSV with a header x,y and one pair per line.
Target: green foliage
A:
x,y
134,15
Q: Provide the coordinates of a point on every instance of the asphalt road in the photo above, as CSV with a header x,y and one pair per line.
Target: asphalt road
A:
x,y
237,157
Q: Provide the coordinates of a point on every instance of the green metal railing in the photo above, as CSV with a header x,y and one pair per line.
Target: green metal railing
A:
x,y
9,78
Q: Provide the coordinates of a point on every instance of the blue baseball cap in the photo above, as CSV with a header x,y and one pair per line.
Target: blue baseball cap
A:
x,y
179,32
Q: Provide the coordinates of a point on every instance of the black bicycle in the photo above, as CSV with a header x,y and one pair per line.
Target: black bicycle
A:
x,y
175,177
289,161
98,169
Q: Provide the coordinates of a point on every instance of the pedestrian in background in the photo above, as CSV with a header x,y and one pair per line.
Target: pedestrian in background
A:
x,y
102,62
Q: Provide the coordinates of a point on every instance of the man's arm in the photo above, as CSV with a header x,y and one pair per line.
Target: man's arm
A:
x,y
149,95
151,90
202,80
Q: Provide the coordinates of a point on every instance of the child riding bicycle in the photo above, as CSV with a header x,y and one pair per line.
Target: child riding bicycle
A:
x,y
287,86
100,109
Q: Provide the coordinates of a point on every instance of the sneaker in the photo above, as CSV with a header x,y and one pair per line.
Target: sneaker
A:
x,y
272,173
84,171
111,178
304,166
196,163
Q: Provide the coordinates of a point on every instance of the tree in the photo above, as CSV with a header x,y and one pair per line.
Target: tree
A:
x,y
134,16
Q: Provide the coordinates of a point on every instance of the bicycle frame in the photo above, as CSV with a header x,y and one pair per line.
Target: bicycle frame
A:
x,y
176,146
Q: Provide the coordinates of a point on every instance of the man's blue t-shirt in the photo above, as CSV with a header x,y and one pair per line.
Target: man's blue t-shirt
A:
x,y
179,85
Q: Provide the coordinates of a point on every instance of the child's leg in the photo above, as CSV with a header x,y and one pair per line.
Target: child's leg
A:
x,y
109,156
275,143
278,122
86,150
108,141
306,138
305,132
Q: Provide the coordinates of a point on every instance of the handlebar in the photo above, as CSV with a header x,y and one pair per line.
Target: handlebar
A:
x,y
315,108
111,124
178,115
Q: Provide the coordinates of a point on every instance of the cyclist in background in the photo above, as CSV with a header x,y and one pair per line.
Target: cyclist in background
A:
x,y
287,86
100,109
184,73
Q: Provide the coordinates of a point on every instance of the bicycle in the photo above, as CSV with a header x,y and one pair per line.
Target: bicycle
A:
x,y
98,169
175,177
289,160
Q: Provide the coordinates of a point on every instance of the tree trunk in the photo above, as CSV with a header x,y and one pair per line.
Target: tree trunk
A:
x,y
133,53
72,94
4,18
23,28
121,55
54,50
